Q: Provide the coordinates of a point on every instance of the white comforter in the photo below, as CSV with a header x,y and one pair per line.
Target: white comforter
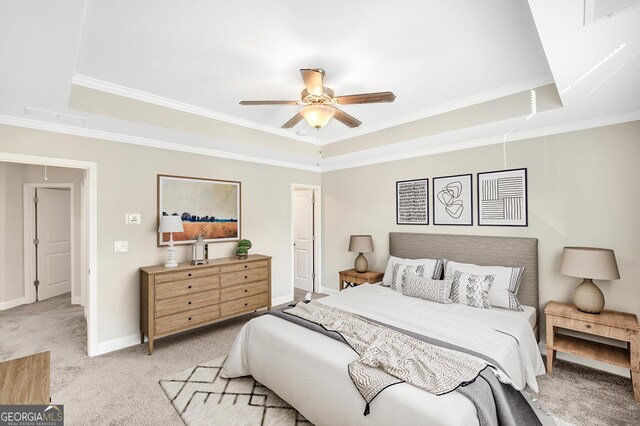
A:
x,y
309,370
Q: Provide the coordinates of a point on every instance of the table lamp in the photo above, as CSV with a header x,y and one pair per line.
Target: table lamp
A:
x,y
589,263
361,244
170,224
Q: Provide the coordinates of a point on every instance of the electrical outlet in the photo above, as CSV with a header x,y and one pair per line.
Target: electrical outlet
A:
x,y
122,246
133,218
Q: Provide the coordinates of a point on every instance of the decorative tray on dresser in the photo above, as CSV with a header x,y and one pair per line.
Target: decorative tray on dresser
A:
x,y
173,300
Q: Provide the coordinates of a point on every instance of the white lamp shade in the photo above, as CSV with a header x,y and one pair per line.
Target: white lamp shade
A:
x,y
361,244
589,262
317,115
170,224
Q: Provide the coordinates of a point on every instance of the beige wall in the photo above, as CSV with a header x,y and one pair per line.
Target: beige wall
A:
x,y
127,184
3,178
584,189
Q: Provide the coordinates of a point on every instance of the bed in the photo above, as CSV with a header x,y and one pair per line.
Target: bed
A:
x,y
309,369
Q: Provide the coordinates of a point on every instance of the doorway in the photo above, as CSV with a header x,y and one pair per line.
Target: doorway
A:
x,y
86,191
306,243
49,244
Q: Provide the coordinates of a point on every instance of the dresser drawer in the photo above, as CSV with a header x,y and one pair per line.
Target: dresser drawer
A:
x,y
188,274
241,277
244,266
592,328
185,303
246,304
182,288
243,290
186,320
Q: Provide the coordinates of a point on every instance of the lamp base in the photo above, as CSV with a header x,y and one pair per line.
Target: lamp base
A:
x,y
171,260
361,263
588,298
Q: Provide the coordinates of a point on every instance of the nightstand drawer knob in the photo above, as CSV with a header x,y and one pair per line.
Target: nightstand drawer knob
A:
x,y
245,304
189,318
189,286
588,325
246,291
246,266
245,277
189,302
189,274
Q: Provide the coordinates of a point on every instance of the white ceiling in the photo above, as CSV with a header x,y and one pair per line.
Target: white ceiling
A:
x,y
204,57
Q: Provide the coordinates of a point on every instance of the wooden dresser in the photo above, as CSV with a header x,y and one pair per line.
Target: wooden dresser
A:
x,y
187,296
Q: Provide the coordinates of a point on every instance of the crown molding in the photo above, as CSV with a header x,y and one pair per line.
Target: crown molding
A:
x,y
448,107
152,143
474,143
127,92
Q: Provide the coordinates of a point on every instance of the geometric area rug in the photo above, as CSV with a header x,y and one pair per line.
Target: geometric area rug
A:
x,y
202,397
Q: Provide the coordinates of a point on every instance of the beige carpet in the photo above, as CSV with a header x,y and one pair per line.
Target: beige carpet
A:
x,y
121,388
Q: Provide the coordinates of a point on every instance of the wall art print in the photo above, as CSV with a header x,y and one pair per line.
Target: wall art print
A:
x,y
452,200
209,207
502,198
412,202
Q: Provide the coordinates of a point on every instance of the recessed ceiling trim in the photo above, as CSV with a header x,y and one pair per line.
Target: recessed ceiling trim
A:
x,y
449,106
152,143
474,143
116,89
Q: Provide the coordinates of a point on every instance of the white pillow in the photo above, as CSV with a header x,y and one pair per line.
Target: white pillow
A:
x,y
505,285
431,268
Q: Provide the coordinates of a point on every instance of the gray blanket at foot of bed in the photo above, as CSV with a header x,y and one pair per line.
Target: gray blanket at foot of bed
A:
x,y
496,403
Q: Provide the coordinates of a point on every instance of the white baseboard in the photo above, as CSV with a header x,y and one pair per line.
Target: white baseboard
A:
x,y
115,344
275,301
12,303
76,300
587,362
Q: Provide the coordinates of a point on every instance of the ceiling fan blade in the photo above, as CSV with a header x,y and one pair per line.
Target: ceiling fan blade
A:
x,y
294,120
269,102
313,80
366,98
346,119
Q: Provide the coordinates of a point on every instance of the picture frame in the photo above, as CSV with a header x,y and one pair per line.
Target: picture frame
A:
x,y
211,207
453,200
503,198
412,202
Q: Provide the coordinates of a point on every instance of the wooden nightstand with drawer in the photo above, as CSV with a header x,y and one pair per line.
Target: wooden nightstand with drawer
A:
x,y
352,278
187,296
610,324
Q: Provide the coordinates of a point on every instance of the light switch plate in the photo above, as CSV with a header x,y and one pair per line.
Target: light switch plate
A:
x,y
133,218
122,246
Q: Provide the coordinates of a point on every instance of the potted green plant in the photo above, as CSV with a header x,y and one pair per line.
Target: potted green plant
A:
x,y
242,250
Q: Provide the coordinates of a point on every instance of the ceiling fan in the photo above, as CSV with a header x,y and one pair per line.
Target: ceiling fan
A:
x,y
320,103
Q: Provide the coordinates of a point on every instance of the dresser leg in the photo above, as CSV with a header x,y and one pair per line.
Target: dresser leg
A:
x,y
150,346
551,356
141,337
635,381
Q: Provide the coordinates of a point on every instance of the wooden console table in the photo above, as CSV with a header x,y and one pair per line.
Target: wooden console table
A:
x,y
610,324
26,380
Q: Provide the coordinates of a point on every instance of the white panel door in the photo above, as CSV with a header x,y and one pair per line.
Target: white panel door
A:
x,y
54,248
303,239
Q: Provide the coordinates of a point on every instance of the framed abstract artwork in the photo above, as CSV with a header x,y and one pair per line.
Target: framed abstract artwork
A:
x,y
208,207
412,202
502,198
452,200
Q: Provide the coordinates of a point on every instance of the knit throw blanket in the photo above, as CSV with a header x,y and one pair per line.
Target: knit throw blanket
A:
x,y
387,357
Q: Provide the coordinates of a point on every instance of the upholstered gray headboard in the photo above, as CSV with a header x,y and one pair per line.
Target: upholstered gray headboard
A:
x,y
478,249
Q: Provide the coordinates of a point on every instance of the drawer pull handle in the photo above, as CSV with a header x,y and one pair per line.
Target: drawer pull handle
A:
x,y
246,291
189,302
189,274
245,266
245,277
189,286
245,304
588,325
189,318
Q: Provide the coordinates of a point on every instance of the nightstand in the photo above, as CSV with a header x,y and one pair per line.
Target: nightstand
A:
x,y
610,324
355,278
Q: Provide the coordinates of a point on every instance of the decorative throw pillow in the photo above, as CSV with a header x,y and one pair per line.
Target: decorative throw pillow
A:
x,y
505,285
426,288
431,268
472,290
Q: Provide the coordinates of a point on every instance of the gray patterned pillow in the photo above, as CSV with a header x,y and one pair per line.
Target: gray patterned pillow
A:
x,y
399,271
426,288
471,290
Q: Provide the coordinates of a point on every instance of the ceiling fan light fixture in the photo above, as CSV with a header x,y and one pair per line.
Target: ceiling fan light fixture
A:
x,y
317,115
